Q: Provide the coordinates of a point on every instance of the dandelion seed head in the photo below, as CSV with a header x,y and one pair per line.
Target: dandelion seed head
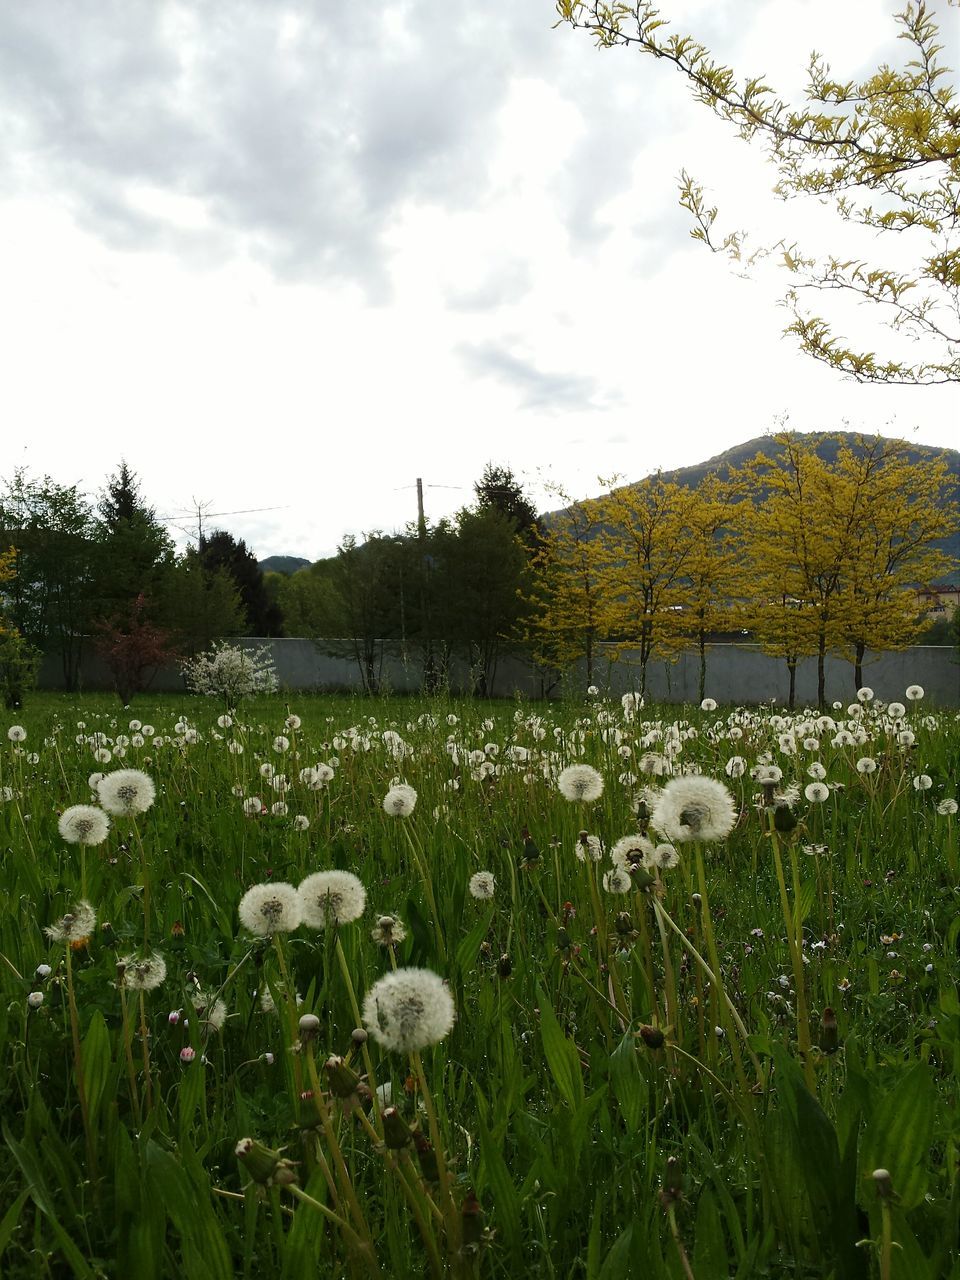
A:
x,y
400,801
143,973
694,807
409,1010
482,885
83,824
331,898
580,782
126,792
267,909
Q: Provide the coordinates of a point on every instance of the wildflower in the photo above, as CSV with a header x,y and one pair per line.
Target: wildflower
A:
x,y
947,807
389,932
267,909
187,1054
43,971
735,767
281,743
588,847
331,898
35,999
253,806
592,690
896,710
708,704
664,857
865,694
16,733
400,801
906,738
301,823
145,973
617,881
83,824
580,782
482,886
126,792
631,851
694,808
866,764
75,927
280,809
922,782
292,723
408,1010
816,792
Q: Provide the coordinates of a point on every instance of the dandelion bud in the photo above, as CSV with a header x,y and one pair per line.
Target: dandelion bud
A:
x,y
883,1183
173,1017
672,1189
358,1035
784,819
35,999
342,1080
266,1167
563,940
396,1133
624,924
44,971
504,966
471,1214
267,1058
309,1028
427,1157
187,1054
697,901
652,1037
829,1034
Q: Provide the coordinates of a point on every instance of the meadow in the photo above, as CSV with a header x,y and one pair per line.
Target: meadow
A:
x,y
409,987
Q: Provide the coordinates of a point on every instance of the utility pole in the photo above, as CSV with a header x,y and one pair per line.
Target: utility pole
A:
x,y
429,667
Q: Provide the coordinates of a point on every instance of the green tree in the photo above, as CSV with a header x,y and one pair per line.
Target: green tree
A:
x,y
884,152
310,602
197,605
222,552
376,583
50,601
499,490
132,548
481,585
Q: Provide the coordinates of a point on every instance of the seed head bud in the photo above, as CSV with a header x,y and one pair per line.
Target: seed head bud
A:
x,y
309,1028
696,900
784,819
427,1157
652,1037
266,1167
342,1079
624,923
884,1183
829,1032
358,1035
43,971
396,1133
471,1213
187,1054
672,1189
563,940
504,966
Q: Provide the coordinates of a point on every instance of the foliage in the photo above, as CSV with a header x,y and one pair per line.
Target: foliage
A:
x,y
231,673
197,605
221,552
499,490
132,646
884,152
591,1051
132,550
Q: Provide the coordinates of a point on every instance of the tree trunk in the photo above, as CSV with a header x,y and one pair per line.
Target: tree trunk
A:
x,y
792,695
859,650
703,665
822,670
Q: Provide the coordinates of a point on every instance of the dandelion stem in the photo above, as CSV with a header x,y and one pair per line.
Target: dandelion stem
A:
x,y
78,1066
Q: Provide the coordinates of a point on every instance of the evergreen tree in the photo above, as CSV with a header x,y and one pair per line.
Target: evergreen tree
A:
x,y
499,490
221,551
133,550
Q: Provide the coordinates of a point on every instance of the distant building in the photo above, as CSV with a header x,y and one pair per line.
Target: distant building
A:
x,y
938,602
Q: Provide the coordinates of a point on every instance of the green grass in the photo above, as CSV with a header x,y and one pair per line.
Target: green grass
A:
x,y
590,1151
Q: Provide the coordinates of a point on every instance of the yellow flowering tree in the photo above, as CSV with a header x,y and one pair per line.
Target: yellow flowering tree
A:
x,y
884,152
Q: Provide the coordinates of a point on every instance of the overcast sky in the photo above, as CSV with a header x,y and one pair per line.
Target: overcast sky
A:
x,y
294,255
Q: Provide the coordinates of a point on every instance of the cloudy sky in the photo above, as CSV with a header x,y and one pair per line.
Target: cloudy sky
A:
x,y
293,255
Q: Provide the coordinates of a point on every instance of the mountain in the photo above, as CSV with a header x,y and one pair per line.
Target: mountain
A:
x,y
283,564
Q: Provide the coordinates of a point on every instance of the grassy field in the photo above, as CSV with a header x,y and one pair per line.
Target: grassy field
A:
x,y
701,1029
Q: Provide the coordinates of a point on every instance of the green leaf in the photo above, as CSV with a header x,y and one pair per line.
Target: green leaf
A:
x,y
616,1265
11,1219
467,951
97,1065
710,1246
44,1201
505,1197
898,1138
628,1083
561,1054
804,903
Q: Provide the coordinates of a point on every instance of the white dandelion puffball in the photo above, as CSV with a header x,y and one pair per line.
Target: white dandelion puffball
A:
x,y
143,973
292,722
922,782
914,692
76,926
580,782
735,767
817,792
482,886
896,710
253,806
389,932
126,792
947,808
866,764
617,880
708,704
83,824
664,857
865,694
631,851
409,1010
17,733
400,801
694,807
267,909
331,897
301,823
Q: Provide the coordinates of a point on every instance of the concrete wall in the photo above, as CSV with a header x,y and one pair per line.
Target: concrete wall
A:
x,y
735,674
